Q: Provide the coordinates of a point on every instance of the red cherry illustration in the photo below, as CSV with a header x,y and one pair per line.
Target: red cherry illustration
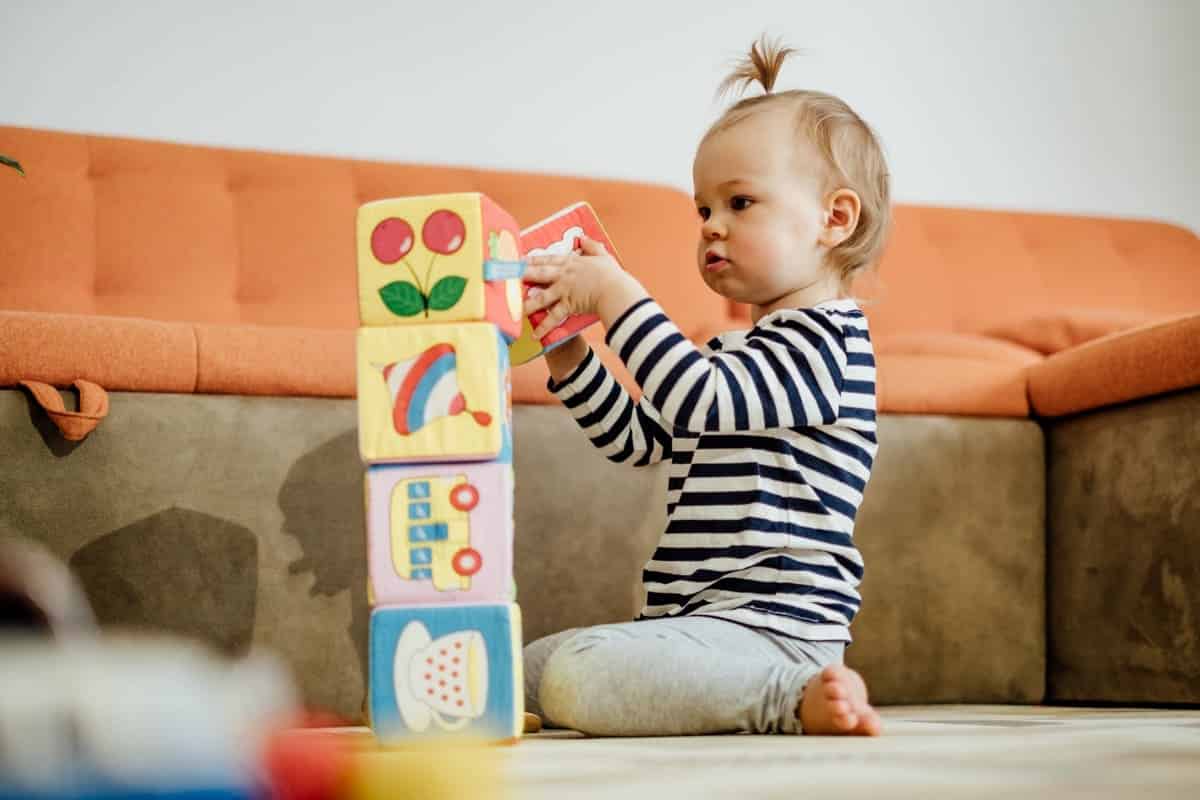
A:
x,y
391,240
444,232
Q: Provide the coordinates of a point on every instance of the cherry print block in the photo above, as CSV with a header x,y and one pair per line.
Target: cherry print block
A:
x,y
439,258
440,533
436,392
442,670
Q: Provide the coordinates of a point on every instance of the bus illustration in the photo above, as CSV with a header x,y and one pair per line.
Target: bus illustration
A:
x,y
431,531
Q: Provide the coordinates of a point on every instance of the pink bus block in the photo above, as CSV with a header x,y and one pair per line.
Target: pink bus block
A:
x,y
440,533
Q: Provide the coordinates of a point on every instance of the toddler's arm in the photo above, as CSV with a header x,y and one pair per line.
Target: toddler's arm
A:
x,y
619,428
790,373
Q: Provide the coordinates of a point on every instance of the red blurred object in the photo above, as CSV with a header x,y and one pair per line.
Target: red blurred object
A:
x,y
303,763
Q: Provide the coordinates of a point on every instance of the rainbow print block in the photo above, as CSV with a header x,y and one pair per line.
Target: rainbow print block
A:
x,y
444,670
440,533
435,392
439,258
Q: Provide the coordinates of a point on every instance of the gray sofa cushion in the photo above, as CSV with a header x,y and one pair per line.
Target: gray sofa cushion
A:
x,y
239,520
952,529
1124,560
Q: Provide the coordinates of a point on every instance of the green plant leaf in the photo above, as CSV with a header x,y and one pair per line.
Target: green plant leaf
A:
x,y
8,162
446,292
402,298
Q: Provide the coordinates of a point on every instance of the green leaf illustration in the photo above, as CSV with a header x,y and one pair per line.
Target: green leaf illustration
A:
x,y
446,292
402,298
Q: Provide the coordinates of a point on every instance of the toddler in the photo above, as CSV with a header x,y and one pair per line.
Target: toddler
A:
x,y
770,434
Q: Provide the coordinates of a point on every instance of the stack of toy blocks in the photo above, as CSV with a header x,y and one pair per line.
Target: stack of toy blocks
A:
x,y
440,300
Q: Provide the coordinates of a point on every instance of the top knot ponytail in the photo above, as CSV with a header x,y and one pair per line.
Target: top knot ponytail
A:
x,y
761,65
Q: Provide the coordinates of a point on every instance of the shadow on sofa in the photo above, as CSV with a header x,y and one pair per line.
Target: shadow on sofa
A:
x,y
321,504
179,571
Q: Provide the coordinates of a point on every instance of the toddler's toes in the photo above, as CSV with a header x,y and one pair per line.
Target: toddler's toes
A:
x,y
845,719
836,703
834,690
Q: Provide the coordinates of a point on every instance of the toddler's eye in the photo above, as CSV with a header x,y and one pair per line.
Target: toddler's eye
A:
x,y
740,203
703,212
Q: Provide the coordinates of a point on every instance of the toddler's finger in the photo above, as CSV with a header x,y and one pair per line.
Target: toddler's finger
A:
x,y
540,273
538,298
590,247
554,317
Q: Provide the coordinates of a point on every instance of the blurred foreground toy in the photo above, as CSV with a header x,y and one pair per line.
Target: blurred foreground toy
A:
x,y
348,764
100,717
38,593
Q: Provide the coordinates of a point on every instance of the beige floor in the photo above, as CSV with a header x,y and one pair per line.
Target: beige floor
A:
x,y
926,752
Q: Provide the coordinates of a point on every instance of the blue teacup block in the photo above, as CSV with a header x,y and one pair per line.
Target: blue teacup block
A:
x,y
446,670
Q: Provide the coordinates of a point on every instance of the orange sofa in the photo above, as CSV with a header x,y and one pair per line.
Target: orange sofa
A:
x,y
160,270
201,267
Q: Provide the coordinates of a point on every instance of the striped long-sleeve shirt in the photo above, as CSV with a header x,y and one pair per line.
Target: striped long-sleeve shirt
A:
x,y
771,436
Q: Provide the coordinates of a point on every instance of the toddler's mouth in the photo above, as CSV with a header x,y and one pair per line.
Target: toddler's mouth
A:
x,y
714,262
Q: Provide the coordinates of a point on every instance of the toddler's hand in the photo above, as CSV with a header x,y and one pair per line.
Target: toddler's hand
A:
x,y
570,284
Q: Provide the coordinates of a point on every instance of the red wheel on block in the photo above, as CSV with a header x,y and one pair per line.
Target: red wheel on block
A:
x,y
464,497
467,562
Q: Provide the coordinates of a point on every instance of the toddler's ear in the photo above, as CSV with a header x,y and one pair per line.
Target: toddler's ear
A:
x,y
842,209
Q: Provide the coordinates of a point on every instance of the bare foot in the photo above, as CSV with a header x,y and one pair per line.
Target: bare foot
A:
x,y
835,704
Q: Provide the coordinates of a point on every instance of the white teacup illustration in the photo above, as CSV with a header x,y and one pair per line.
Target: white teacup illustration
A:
x,y
444,681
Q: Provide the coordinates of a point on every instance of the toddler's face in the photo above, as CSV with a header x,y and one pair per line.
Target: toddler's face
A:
x,y
759,194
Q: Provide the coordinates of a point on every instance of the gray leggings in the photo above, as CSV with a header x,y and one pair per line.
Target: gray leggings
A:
x,y
671,677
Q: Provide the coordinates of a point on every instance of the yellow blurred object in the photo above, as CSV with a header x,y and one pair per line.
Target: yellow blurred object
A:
x,y
443,771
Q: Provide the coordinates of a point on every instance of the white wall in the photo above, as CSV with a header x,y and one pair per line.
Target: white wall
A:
x,y
1078,106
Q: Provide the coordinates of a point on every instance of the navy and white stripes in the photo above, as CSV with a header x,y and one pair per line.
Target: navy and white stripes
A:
x,y
771,437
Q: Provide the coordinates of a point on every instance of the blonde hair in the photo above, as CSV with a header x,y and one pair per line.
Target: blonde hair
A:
x,y
852,153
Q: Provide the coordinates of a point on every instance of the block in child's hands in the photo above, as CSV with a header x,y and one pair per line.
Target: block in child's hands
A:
x,y
439,258
441,670
433,393
440,533
557,235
